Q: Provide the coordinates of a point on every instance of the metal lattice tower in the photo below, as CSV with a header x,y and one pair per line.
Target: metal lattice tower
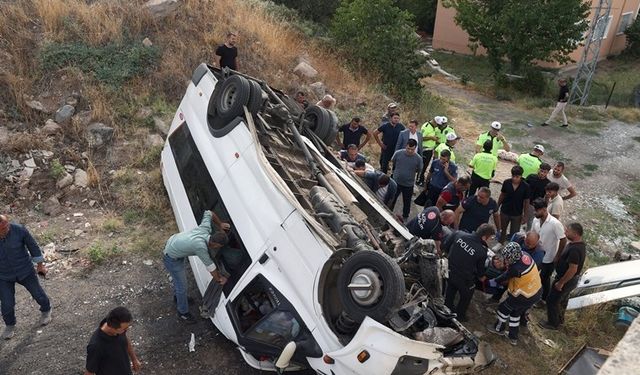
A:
x,y
587,66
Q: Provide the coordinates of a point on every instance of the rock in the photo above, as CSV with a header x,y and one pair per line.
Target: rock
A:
x,y
17,126
147,42
52,206
34,104
77,232
15,164
154,140
318,88
161,125
4,135
78,214
29,163
80,178
69,168
147,262
83,118
99,134
635,245
26,173
71,100
63,114
46,154
65,181
162,8
143,113
51,127
305,70
92,203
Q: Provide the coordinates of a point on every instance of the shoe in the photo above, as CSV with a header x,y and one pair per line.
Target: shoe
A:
x,y
540,304
513,342
188,318
546,325
8,332
564,125
492,328
544,124
45,318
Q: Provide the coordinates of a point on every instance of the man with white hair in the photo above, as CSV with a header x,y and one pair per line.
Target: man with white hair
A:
x,y
327,102
495,136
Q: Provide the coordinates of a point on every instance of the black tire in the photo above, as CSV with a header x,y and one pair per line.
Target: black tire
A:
x,y
391,286
333,128
229,98
319,121
255,99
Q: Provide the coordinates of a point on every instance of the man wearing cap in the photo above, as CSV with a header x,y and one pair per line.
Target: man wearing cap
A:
x,y
18,252
410,133
352,134
429,140
390,133
484,167
443,129
449,144
391,109
531,162
196,242
563,98
496,137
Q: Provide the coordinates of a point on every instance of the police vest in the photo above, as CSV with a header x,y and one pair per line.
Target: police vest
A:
x,y
497,144
444,146
529,163
428,130
483,164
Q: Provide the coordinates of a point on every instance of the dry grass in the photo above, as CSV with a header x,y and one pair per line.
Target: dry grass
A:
x,y
24,142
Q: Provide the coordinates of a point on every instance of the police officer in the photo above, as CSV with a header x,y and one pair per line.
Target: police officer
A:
x,y
531,162
484,167
498,140
467,253
450,141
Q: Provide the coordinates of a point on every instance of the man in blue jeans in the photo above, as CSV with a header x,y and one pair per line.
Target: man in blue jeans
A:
x,y
18,252
195,242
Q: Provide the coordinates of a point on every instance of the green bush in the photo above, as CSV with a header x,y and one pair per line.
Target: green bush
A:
x,y
533,83
633,39
378,36
316,10
112,64
57,169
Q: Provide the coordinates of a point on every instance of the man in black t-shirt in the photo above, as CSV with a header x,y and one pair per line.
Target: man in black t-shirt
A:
x,y
513,202
228,52
563,98
537,184
476,210
569,265
352,133
110,351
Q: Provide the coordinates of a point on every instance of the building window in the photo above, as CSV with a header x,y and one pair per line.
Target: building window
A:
x,y
625,21
602,28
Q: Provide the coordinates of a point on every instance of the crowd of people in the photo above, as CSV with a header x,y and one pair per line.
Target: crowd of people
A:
x,y
538,260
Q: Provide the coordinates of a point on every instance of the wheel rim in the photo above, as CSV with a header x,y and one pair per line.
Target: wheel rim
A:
x,y
229,97
365,287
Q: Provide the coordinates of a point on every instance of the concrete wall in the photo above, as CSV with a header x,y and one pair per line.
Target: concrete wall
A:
x,y
625,360
449,36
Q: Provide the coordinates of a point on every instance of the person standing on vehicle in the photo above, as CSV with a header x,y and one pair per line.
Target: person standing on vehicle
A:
x,y
467,253
513,202
406,165
429,223
553,239
563,98
537,184
429,140
18,252
476,210
228,52
524,289
352,134
195,242
484,167
441,172
497,139
110,350
531,162
559,178
390,132
569,265
555,204
383,186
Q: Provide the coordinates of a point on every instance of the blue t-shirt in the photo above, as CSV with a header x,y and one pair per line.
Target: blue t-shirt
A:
x,y
438,178
390,134
475,214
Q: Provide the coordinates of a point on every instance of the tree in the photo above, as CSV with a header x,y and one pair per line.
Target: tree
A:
x,y
316,10
423,10
381,37
544,30
633,39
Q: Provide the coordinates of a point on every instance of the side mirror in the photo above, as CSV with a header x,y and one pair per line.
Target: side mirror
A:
x,y
285,357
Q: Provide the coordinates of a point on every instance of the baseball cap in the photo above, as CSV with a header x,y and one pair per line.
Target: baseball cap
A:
x,y
438,120
444,119
452,136
392,105
539,148
496,125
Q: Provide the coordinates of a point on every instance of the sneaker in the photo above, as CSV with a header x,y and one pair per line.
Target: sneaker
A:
x,y
513,342
564,125
544,124
187,318
492,328
8,332
546,325
45,318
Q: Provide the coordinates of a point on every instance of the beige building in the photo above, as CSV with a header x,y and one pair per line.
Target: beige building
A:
x,y
449,36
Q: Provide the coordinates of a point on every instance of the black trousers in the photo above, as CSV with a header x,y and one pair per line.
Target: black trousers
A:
x,y
476,183
511,310
432,195
546,270
427,155
463,288
407,193
385,157
557,301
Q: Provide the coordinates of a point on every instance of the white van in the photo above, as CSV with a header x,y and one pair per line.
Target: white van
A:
x,y
327,279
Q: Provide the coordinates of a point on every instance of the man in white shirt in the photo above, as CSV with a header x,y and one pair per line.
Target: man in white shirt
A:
x,y
559,178
555,204
552,239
